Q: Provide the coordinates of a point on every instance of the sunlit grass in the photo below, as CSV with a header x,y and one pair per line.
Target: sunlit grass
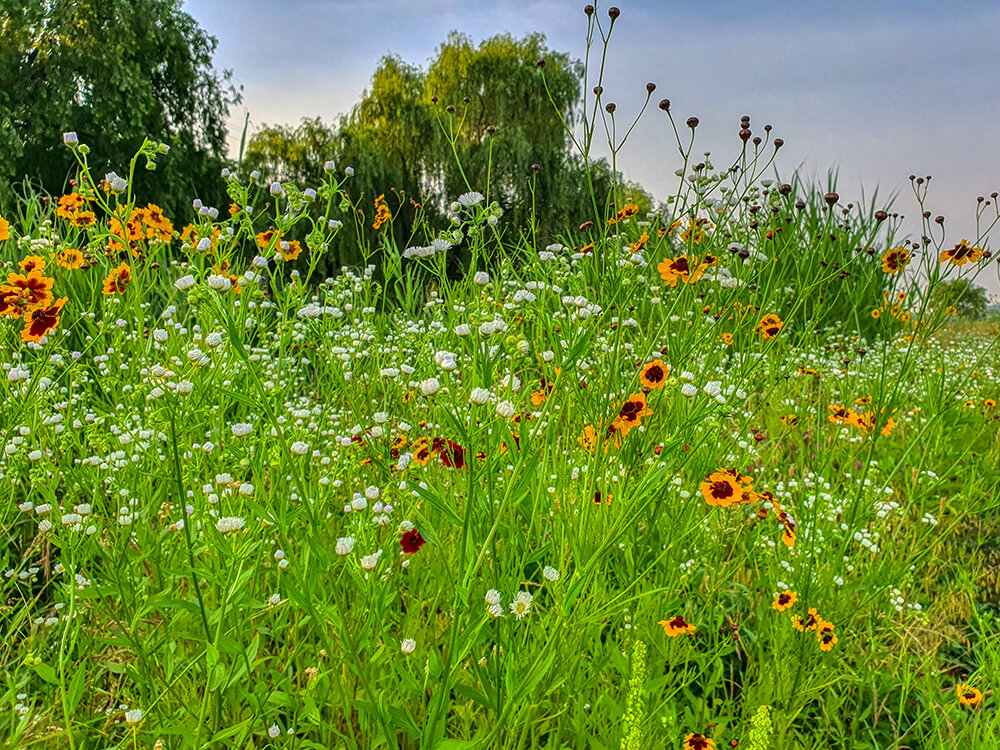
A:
x,y
627,489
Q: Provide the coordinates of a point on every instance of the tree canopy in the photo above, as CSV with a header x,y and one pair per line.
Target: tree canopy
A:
x,y
964,297
114,71
479,117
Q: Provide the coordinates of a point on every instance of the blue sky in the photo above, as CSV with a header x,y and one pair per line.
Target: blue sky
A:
x,y
877,90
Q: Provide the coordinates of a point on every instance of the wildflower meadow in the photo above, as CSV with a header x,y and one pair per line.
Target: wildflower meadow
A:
x,y
720,473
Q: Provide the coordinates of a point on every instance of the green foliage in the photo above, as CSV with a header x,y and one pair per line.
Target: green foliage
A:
x,y
115,72
216,479
760,729
479,118
968,300
425,506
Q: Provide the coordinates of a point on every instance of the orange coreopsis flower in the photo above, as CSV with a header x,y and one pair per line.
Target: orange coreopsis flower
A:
x,y
4,229
727,487
69,205
32,263
788,532
117,279
826,636
811,622
639,243
12,304
82,219
34,289
601,498
157,226
421,452
382,213
677,269
654,374
627,212
545,388
961,254
784,600
588,439
70,259
864,421
769,326
694,231
126,232
895,259
629,416
969,696
675,626
698,742
290,250
839,413
266,238
39,321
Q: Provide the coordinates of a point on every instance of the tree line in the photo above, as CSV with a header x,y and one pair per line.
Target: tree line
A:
x,y
478,118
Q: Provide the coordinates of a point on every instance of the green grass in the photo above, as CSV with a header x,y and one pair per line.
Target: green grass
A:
x,y
184,464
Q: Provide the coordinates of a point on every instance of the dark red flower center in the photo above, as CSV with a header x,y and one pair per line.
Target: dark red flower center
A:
x,y
722,490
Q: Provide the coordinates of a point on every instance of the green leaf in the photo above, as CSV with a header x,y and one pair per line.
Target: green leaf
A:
x,y
47,673
75,690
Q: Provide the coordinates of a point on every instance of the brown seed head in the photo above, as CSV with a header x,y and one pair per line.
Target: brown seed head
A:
x,y
831,199
692,122
665,105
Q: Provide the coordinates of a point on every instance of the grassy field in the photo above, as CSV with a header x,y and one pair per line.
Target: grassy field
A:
x,y
716,476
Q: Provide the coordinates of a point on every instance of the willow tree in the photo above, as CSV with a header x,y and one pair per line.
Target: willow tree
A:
x,y
505,124
114,71
478,118
292,153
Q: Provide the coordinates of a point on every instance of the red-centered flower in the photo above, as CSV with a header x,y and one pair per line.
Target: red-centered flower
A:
x,y
38,321
411,541
453,456
34,289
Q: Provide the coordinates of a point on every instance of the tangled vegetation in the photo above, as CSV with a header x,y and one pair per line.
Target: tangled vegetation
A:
x,y
718,474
